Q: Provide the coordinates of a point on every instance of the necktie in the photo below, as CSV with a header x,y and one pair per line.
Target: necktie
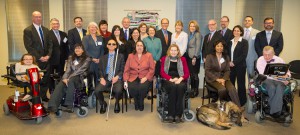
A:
x,y
247,34
81,34
221,32
57,36
268,37
110,70
125,34
166,37
42,36
209,37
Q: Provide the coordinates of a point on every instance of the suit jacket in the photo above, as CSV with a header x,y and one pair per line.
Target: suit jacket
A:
x,y
276,42
92,49
119,66
207,47
79,69
130,31
252,55
59,51
240,52
213,71
194,45
34,45
135,68
227,36
159,34
74,38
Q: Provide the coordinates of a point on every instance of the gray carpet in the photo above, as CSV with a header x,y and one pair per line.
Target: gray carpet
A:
x,y
132,123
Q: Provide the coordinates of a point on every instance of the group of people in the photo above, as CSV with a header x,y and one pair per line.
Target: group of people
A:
x,y
132,59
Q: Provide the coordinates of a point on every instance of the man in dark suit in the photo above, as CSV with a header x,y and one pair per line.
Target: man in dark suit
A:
x,y
109,77
60,51
225,31
126,30
76,34
269,37
37,43
164,35
210,39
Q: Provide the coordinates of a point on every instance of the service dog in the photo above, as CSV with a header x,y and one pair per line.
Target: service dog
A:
x,y
220,115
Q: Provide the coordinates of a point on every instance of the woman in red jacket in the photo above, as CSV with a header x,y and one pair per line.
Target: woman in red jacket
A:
x,y
175,72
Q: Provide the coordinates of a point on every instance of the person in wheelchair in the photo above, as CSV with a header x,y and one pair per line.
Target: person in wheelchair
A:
x,y
77,67
108,76
275,87
217,71
138,74
174,71
27,61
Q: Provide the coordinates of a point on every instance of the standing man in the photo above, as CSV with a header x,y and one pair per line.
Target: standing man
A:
x,y
60,50
76,34
164,35
37,43
269,37
210,39
249,35
225,31
126,30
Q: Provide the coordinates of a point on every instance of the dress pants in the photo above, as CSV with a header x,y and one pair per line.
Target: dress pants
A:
x,y
117,90
175,95
194,71
224,91
45,80
275,91
93,76
55,69
138,90
239,73
62,89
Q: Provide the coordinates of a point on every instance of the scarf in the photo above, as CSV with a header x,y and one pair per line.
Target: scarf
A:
x,y
179,66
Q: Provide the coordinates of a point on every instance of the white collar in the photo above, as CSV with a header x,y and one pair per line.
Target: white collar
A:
x,y
79,29
240,39
271,31
36,26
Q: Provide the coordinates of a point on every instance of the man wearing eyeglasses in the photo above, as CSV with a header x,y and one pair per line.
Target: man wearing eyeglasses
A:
x,y
269,37
164,35
225,31
111,71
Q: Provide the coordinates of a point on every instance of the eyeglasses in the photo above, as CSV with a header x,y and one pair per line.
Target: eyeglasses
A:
x,y
112,44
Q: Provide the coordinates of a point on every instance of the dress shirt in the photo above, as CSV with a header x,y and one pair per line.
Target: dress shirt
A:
x,y
233,46
181,41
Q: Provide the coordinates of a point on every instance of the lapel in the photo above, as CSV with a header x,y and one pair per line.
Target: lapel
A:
x,y
272,37
163,36
265,37
54,37
76,33
105,60
36,34
136,58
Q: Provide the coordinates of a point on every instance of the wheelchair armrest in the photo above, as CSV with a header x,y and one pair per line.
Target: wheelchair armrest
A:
x,y
259,78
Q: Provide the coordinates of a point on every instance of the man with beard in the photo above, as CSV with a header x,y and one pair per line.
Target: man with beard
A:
x,y
269,37
225,31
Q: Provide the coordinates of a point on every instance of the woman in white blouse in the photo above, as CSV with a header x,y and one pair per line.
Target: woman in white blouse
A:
x,y
180,37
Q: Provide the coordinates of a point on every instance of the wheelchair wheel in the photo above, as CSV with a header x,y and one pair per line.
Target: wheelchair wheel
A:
x,y
92,101
38,120
189,115
5,108
258,117
58,114
288,121
249,105
82,111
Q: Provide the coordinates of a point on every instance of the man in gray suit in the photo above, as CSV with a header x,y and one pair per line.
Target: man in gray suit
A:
x,y
249,35
37,43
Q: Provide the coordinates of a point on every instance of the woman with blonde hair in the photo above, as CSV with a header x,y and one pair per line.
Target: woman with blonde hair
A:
x,y
180,37
94,48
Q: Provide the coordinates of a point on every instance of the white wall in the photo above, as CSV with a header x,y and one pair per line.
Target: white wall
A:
x,y
115,10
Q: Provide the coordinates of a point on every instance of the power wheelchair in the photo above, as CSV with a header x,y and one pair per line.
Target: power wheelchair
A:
x,y
257,100
162,102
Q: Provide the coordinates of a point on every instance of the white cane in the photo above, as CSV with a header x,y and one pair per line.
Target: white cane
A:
x,y
112,85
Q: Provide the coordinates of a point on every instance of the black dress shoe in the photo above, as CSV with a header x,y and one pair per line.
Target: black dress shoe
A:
x,y
136,106
178,119
117,108
70,109
149,97
141,107
169,119
103,107
45,99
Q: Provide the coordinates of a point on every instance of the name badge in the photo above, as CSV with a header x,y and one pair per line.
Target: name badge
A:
x,y
253,38
99,43
222,60
76,62
65,40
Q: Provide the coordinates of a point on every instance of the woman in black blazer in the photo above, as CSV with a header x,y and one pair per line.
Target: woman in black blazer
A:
x,y
238,49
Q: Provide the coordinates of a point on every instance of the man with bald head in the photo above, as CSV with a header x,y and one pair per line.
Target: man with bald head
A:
x,y
164,35
126,30
210,39
37,43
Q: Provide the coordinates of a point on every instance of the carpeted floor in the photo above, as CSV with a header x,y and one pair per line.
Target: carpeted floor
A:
x,y
133,123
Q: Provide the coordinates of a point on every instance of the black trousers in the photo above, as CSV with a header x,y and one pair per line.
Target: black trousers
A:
x,y
194,71
117,90
239,73
62,89
175,95
138,90
45,80
93,76
55,69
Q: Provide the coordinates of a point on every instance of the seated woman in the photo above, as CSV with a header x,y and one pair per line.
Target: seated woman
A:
x,y
138,74
27,61
217,71
77,66
175,71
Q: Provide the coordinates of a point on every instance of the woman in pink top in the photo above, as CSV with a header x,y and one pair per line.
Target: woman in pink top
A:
x,y
175,72
138,74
